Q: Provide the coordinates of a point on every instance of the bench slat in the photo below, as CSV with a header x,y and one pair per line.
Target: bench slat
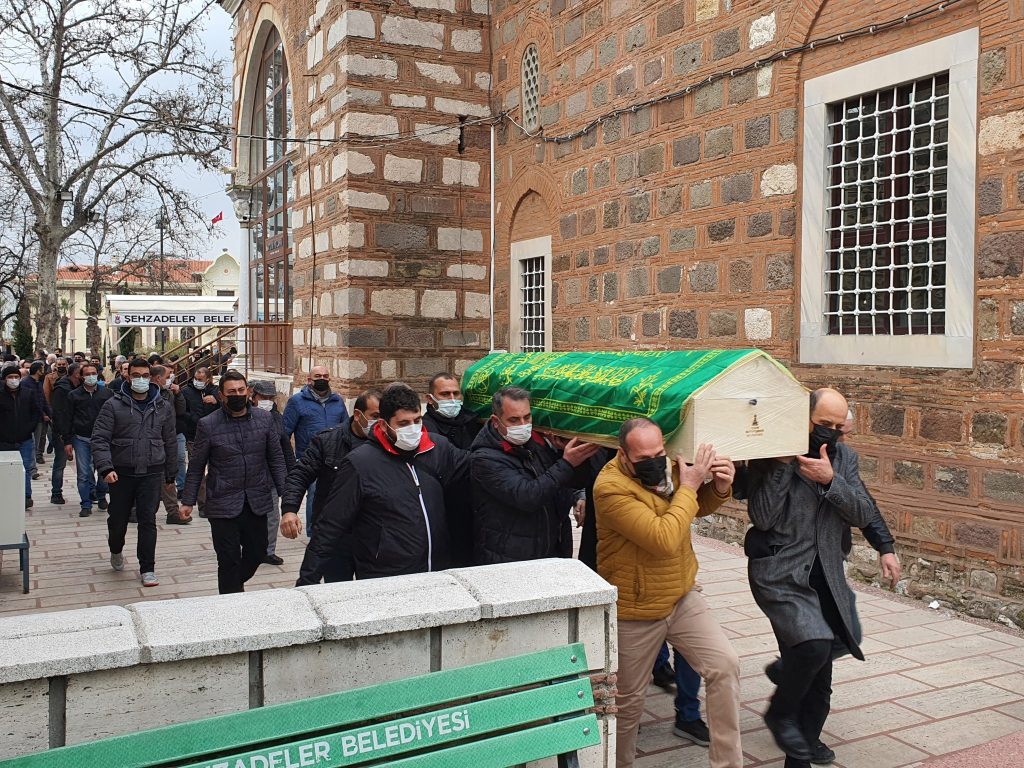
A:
x,y
381,740
511,748
224,733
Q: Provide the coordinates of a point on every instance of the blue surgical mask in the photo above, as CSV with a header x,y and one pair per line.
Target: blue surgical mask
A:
x,y
140,385
90,381
449,408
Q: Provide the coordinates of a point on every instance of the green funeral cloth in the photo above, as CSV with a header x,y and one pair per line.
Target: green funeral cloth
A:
x,y
590,394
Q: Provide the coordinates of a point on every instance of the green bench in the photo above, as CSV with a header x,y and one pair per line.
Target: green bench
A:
x,y
496,714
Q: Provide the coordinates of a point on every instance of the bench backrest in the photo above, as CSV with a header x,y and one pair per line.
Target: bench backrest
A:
x,y
498,713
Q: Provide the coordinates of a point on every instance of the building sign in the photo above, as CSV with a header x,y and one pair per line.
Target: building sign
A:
x,y
173,318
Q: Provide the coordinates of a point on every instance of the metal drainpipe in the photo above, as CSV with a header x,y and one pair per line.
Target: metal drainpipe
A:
x,y
491,336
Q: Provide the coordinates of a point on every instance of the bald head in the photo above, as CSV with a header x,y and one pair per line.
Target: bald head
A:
x,y
828,408
641,439
320,380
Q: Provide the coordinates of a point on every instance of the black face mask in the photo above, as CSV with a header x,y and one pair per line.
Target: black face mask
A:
x,y
321,386
823,436
236,403
651,472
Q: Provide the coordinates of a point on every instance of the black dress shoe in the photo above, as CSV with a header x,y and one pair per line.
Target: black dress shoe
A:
x,y
822,755
57,498
273,560
787,735
774,671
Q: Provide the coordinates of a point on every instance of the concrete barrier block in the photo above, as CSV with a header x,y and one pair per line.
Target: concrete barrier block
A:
x,y
24,718
534,586
397,604
303,671
592,631
490,639
113,702
65,642
186,628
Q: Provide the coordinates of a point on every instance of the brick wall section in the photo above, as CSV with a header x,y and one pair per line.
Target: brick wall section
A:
x,y
391,275
678,227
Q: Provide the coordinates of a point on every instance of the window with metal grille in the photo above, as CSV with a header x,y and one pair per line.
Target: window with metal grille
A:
x,y
886,179
530,79
532,312
887,199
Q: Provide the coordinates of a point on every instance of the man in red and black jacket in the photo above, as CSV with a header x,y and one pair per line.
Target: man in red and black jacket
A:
x,y
388,499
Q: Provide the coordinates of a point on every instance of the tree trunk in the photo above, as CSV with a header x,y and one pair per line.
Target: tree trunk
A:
x,y
93,334
64,333
47,315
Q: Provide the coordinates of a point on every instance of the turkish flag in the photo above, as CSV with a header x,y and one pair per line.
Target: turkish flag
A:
x,y
218,218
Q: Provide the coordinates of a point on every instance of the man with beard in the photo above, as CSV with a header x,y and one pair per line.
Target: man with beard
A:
x,y
801,507
446,416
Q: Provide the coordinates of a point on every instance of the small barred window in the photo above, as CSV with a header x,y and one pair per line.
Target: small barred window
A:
x,y
530,78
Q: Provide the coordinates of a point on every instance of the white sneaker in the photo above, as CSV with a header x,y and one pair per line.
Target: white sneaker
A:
x,y
149,579
117,561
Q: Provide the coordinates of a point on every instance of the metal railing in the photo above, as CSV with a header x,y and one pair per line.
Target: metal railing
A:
x,y
267,348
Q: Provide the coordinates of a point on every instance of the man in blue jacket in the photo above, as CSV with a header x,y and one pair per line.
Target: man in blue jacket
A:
x,y
311,410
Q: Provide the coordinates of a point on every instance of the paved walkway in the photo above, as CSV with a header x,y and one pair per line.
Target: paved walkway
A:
x,y
936,690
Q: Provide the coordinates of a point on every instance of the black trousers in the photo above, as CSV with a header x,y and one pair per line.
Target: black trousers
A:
x,y
804,693
143,493
240,543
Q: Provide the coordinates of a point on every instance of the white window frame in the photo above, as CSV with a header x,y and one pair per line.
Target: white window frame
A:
x,y
537,247
958,54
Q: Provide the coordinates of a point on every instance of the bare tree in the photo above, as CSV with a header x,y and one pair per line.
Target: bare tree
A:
x,y
17,256
97,93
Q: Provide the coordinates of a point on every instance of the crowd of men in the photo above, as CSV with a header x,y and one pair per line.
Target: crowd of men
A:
x,y
395,489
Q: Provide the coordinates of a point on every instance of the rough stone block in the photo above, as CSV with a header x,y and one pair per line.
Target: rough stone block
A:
x,y
651,160
682,324
703,277
722,323
399,30
942,425
909,473
762,31
1001,133
537,586
439,73
779,180
684,239
706,9
757,132
436,134
653,71
503,636
1001,255
440,304
952,480
650,246
611,287
25,717
718,143
637,283
624,82
725,44
779,272
351,24
759,224
738,188
366,66
460,107
650,324
720,231
670,200
119,701
400,237
393,301
625,250
669,279
349,301
787,124
638,207
887,419
467,271
290,674
464,172
670,19
990,196
989,428
43,645
588,221
582,329
434,5
385,606
687,58
742,88
764,81
757,324
708,98
364,124
467,40
403,169
477,305
607,51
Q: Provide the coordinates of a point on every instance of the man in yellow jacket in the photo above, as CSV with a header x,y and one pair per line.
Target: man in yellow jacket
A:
x,y
644,509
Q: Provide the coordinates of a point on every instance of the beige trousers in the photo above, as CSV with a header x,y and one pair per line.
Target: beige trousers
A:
x,y
693,631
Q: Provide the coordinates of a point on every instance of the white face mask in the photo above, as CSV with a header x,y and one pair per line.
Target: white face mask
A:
x,y
140,385
170,380
408,438
12,383
449,408
520,434
265,405
198,384
370,424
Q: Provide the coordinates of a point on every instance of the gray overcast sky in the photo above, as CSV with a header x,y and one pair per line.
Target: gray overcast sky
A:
x,y
210,186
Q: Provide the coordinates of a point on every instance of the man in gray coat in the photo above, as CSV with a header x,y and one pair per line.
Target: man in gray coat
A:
x,y
239,447
800,507
135,452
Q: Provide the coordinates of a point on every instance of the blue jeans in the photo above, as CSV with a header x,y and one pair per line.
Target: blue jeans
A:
x,y
86,474
687,684
179,480
60,460
28,460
